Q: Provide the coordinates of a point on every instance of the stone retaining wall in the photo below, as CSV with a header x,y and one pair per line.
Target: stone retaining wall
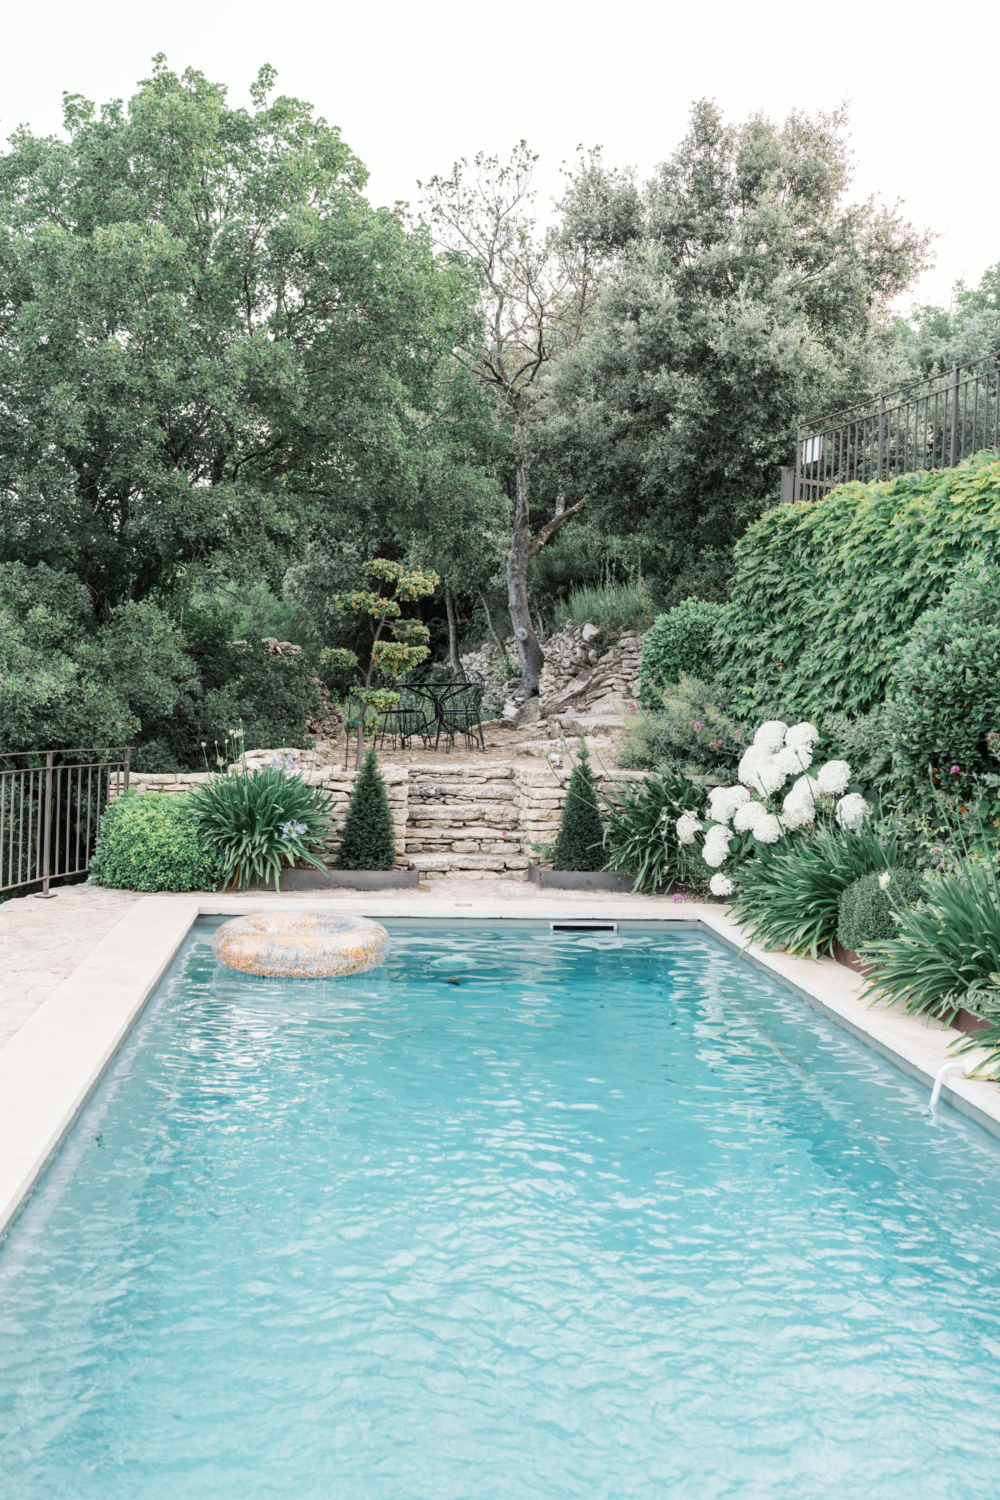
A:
x,y
467,822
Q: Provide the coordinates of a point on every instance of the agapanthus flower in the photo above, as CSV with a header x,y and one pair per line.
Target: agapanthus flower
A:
x,y
291,829
688,824
852,811
771,736
721,885
833,777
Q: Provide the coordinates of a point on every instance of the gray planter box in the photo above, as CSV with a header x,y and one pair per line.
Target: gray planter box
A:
x,y
351,880
579,880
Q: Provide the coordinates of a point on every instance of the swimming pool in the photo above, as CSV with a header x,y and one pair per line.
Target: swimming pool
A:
x,y
518,1215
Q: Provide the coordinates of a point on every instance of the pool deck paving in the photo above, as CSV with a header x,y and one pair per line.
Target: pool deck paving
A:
x,y
77,971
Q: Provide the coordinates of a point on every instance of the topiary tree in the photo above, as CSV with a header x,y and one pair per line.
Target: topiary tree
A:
x,y
946,696
580,845
678,642
392,658
368,841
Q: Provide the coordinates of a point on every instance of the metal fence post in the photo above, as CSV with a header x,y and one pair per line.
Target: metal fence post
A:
x,y
881,435
128,761
45,894
954,414
797,487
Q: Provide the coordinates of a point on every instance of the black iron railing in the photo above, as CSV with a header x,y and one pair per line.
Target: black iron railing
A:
x,y
932,424
51,803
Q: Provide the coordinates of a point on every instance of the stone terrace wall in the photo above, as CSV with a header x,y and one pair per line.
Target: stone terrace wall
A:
x,y
466,822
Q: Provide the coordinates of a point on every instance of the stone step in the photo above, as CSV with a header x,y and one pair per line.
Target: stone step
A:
x,y
486,862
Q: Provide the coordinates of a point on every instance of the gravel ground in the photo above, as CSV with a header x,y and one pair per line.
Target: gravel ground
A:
x,y
41,942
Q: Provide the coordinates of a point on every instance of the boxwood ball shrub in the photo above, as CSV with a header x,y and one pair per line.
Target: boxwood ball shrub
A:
x,y
150,843
869,906
679,641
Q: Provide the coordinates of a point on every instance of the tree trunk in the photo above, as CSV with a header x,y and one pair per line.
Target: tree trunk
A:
x,y
528,649
489,620
453,656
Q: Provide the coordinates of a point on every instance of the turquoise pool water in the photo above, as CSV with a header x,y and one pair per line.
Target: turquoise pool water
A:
x,y
607,1218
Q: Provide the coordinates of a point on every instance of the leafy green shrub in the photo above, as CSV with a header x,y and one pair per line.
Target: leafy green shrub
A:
x,y
868,906
580,844
255,822
150,843
689,728
824,595
676,643
642,830
946,698
368,840
790,893
945,953
614,607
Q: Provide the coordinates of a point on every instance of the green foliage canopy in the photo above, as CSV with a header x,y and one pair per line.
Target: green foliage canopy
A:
x,y
825,595
208,338
678,642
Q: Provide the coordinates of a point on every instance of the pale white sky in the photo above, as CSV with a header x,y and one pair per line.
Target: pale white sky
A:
x,y
415,86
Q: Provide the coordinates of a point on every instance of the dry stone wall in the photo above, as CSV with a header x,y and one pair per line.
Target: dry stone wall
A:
x,y
575,676
465,822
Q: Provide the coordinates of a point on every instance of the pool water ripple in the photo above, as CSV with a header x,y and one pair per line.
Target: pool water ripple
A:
x,y
606,1218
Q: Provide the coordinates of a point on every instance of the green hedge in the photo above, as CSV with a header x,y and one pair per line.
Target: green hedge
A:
x,y
149,843
679,641
825,594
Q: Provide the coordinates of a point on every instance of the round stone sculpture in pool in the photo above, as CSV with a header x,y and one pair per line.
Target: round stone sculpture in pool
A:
x,y
301,945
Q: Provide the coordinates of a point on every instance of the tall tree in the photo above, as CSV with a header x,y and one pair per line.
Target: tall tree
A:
x,y
746,293
208,338
537,290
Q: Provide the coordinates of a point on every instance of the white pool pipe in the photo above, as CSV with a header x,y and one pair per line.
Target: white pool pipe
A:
x,y
949,1067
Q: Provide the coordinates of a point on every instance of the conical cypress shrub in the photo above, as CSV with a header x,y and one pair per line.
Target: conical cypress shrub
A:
x,y
368,841
580,845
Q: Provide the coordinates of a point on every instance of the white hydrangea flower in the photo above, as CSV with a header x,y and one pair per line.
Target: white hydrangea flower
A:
x,y
748,816
752,759
793,758
688,824
798,812
833,777
771,735
768,778
721,885
802,736
852,811
804,788
768,830
724,800
716,848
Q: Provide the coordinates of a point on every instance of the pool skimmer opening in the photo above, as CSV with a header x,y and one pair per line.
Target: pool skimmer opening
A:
x,y
583,927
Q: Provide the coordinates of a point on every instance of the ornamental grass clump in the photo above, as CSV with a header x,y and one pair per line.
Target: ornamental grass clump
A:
x,y
645,828
790,894
256,823
149,843
368,838
580,843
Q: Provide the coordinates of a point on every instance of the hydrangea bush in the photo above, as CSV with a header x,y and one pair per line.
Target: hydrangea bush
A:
x,y
749,814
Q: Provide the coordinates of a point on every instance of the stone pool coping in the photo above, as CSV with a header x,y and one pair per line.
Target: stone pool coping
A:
x,y
51,1066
